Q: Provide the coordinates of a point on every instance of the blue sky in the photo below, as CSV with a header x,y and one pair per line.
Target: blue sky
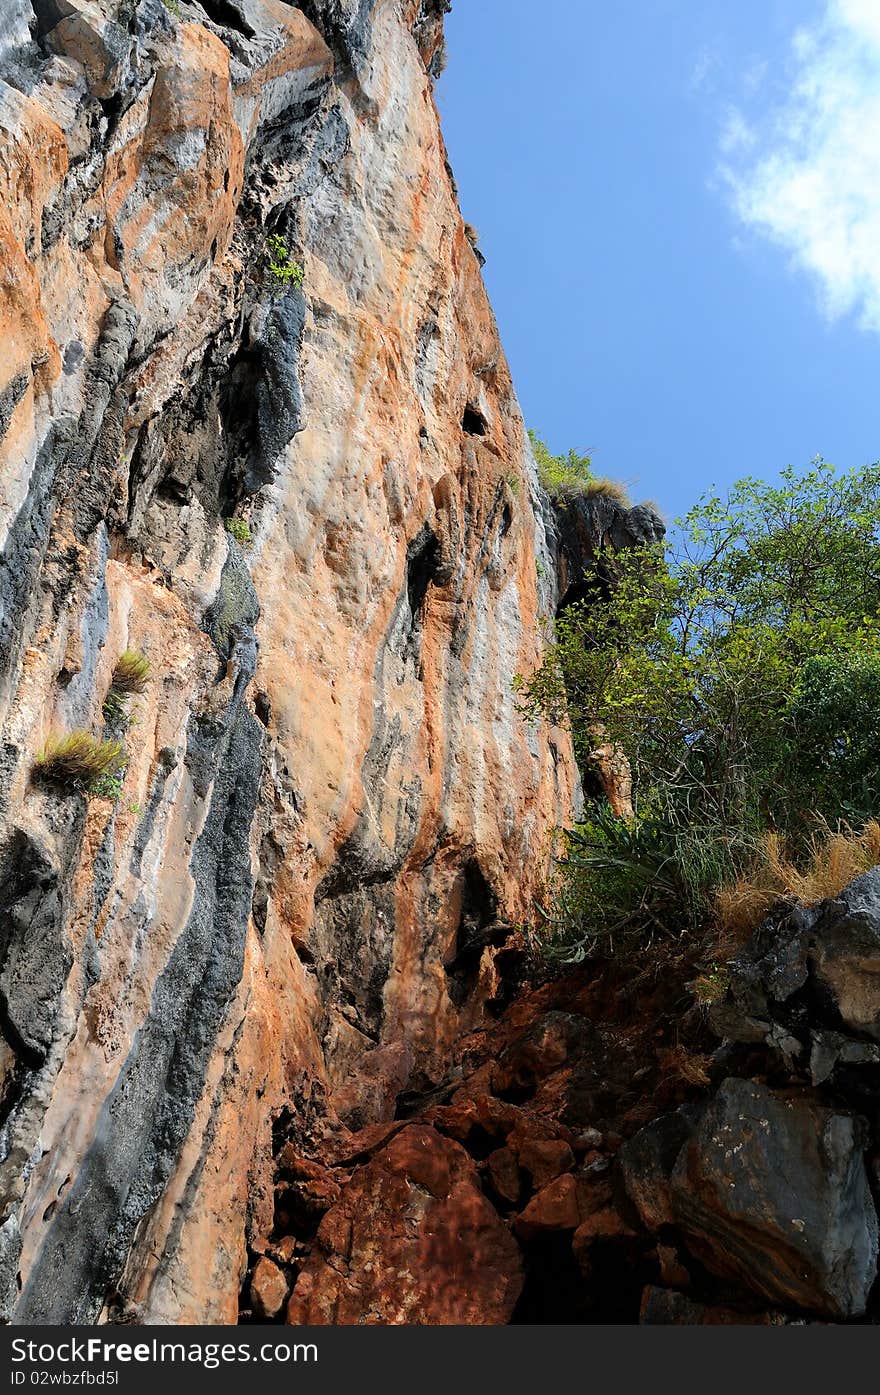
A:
x,y
679,201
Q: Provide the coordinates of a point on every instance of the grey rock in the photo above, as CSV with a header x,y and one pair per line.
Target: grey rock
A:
x,y
773,1193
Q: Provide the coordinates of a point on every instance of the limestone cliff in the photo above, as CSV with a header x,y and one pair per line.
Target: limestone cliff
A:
x,y
331,815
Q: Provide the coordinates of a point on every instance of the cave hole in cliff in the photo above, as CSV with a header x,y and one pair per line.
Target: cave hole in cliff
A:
x,y
228,16
237,404
477,927
421,567
473,423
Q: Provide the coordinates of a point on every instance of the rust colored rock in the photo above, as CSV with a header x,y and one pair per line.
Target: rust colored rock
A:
x,y
555,1207
545,1159
504,1174
268,1290
412,1240
602,1225
542,1049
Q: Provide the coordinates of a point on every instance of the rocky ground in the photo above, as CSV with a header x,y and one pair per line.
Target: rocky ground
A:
x,y
612,1151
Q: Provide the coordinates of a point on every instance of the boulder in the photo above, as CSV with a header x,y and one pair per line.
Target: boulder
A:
x,y
646,1162
268,1290
544,1159
774,1193
504,1174
808,980
412,1240
663,1307
845,954
542,1049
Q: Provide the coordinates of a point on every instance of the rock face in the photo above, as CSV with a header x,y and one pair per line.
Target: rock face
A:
x,y
330,809
809,982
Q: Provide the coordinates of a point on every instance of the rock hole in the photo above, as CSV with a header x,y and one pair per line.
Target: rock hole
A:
x,y
225,14
422,557
473,423
477,928
263,707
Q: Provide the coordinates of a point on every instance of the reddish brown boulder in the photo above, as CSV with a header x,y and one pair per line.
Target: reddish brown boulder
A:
x,y
411,1240
602,1225
504,1174
545,1159
268,1290
542,1049
555,1207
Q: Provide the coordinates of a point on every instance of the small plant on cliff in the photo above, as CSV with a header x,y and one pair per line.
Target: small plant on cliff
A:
x,y
131,672
80,761
283,270
173,6
239,529
739,670
108,786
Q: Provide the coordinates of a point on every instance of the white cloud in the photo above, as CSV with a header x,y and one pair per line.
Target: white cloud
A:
x,y
807,174
737,136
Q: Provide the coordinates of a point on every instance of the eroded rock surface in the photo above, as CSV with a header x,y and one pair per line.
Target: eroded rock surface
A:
x,y
331,808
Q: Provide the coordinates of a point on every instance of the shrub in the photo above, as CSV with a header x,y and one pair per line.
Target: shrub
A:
x,y
282,269
833,741
239,529
108,786
131,673
689,1067
712,985
570,476
79,760
620,881
560,472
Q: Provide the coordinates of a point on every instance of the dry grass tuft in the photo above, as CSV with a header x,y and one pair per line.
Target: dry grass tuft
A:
x,y
79,759
835,859
132,672
688,1066
596,487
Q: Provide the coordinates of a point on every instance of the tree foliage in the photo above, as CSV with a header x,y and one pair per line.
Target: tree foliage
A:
x,y
738,667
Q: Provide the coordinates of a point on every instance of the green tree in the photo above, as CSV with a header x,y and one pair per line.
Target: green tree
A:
x,y
738,667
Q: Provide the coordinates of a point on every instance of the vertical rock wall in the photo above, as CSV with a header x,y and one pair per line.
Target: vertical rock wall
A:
x,y
331,813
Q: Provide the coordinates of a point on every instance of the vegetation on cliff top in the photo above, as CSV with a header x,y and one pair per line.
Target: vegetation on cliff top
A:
x,y
564,476
738,667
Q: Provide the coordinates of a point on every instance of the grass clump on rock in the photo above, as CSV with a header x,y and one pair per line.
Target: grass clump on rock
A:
x,y
79,760
571,476
131,673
